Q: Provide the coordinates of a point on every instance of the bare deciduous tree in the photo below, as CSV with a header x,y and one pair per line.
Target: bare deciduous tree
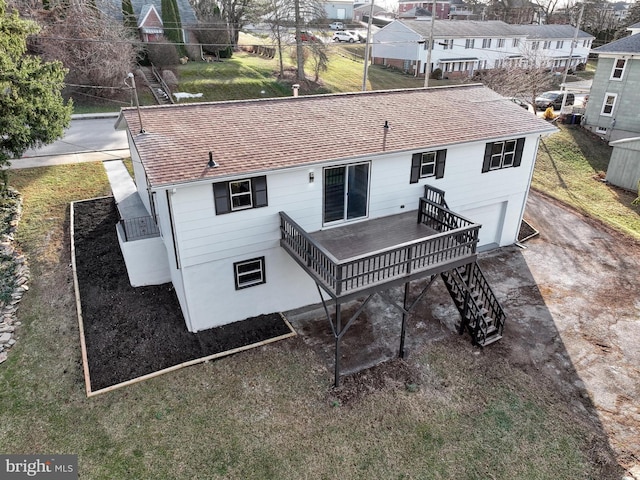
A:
x,y
524,79
98,50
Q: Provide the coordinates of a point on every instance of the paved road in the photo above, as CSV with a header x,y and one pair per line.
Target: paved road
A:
x,y
88,139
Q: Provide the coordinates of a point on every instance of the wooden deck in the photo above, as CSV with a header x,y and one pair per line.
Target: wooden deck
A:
x,y
355,239
368,255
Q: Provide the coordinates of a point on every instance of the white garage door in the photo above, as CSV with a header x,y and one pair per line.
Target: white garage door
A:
x,y
491,217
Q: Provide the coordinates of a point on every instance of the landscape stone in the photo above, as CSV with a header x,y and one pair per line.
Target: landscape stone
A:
x,y
5,337
6,328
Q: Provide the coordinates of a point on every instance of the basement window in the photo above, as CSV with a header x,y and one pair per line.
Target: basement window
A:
x,y
249,273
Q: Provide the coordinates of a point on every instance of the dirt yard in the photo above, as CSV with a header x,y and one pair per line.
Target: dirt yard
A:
x,y
572,305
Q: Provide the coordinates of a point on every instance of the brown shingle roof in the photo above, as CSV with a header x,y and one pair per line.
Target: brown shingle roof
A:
x,y
259,135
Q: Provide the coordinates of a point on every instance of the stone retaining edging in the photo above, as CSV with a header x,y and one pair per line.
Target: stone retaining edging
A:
x,y
8,321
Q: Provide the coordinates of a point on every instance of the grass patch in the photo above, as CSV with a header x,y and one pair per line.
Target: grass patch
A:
x,y
571,169
46,193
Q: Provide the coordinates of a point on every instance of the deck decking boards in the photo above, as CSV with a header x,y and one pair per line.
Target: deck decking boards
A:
x,y
368,236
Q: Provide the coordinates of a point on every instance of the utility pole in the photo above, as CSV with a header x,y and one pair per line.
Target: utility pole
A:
x,y
135,96
427,68
367,50
299,53
568,65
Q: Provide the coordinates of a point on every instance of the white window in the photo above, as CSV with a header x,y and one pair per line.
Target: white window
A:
x,y
515,43
608,104
448,44
601,129
486,43
546,45
249,273
469,43
618,68
501,42
535,45
559,44
240,194
428,164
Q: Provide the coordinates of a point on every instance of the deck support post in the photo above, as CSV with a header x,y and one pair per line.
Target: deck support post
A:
x,y
403,328
336,381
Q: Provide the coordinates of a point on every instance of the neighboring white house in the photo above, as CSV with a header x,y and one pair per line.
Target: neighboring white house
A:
x,y
462,47
237,186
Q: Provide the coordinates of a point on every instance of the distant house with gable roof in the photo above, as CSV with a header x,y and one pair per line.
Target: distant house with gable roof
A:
x,y
462,47
612,109
148,15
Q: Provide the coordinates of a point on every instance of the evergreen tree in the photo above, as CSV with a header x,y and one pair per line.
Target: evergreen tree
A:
x,y
33,110
171,22
129,16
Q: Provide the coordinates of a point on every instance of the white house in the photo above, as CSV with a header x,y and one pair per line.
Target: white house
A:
x,y
262,204
462,47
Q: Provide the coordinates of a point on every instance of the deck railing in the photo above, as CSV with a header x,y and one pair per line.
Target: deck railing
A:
x,y
456,238
139,228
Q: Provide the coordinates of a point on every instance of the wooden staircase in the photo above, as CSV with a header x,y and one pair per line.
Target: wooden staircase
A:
x,y
156,86
479,308
482,315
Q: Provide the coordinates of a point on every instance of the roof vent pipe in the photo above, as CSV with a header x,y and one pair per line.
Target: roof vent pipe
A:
x,y
295,87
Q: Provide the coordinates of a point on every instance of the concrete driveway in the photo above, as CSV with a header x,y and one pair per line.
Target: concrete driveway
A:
x,y
573,317
589,279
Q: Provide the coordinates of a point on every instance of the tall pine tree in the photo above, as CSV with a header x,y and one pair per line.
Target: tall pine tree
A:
x,y
128,16
172,24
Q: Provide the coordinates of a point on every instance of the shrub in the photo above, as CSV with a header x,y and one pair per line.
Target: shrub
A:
x,y
437,74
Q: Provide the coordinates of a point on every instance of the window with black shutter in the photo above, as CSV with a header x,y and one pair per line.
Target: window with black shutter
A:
x,y
241,194
504,154
427,164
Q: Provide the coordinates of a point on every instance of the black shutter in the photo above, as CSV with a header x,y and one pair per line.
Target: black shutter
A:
x,y
221,197
416,159
487,157
259,186
441,156
519,147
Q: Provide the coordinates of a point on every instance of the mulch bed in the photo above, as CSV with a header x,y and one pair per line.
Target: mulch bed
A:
x,y
526,231
130,332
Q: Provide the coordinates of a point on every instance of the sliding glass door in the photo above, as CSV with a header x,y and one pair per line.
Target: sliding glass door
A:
x,y
346,192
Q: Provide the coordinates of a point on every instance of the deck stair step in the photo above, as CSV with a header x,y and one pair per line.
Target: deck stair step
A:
x,y
481,314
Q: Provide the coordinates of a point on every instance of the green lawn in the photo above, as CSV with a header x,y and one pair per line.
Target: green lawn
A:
x,y
571,165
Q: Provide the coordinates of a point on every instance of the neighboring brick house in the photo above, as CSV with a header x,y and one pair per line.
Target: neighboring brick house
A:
x,y
263,204
443,8
612,109
148,14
